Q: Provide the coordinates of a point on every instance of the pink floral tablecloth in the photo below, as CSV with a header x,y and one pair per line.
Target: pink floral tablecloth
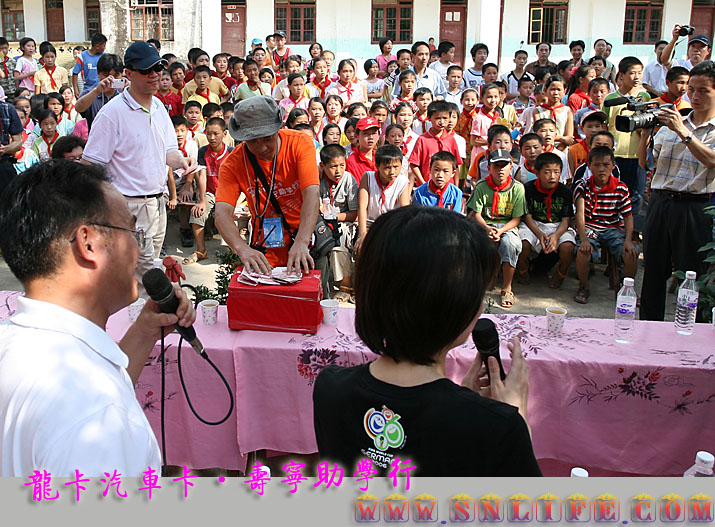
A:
x,y
642,408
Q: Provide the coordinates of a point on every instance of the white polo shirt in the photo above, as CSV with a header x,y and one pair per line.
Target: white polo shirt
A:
x,y
654,76
66,400
132,143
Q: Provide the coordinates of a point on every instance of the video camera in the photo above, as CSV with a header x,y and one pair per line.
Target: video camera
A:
x,y
644,118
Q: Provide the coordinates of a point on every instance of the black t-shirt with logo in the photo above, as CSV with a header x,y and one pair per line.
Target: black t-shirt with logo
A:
x,y
561,203
443,428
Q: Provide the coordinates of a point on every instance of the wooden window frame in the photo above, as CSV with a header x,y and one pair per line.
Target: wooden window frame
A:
x,y
648,13
537,18
302,25
164,12
15,34
399,30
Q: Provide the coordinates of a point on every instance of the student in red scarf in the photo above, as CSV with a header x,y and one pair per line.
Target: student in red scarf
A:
x,y
485,117
435,140
547,223
297,97
170,99
578,88
591,124
497,204
202,78
603,219
320,80
558,112
439,191
183,187
51,77
363,157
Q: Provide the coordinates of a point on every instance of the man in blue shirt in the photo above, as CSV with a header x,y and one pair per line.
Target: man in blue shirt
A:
x,y
87,65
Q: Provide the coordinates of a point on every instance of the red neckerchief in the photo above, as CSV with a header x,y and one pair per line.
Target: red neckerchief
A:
x,y
183,149
50,143
52,80
583,143
330,119
439,191
4,66
492,118
361,156
549,148
213,159
322,87
206,95
608,187
406,99
553,109
549,194
331,189
403,147
295,103
182,86
319,132
668,100
496,189
59,118
194,129
348,89
471,114
529,167
69,112
440,145
383,188
583,95
21,152
423,121
26,123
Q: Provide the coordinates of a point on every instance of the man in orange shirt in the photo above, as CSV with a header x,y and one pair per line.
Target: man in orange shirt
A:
x,y
288,171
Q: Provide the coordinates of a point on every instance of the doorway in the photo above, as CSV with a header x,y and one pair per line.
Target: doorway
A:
x,y
55,20
233,29
453,25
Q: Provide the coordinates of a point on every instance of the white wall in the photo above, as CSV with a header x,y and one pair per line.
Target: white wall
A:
x,y
211,27
483,26
35,16
425,20
259,19
75,21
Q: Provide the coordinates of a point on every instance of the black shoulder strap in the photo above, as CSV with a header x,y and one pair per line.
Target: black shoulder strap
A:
x,y
258,171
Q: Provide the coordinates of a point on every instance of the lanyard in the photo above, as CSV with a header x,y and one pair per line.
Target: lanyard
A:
x,y
262,213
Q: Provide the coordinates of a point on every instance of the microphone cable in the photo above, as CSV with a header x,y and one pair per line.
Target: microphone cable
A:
x,y
162,357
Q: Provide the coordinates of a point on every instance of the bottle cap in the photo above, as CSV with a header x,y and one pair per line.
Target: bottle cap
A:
x,y
690,275
704,459
578,472
628,282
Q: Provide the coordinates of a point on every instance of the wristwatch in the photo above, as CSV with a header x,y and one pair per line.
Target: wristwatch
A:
x,y
688,138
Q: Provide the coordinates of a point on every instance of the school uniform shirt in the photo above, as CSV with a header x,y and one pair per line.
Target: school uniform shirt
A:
x,y
23,66
172,103
343,194
456,98
51,81
203,98
43,148
512,81
429,144
86,67
558,114
421,124
358,164
228,81
381,199
604,208
212,161
321,89
626,143
244,91
7,65
71,113
451,198
215,86
288,104
511,202
480,127
350,406
351,93
472,79
561,205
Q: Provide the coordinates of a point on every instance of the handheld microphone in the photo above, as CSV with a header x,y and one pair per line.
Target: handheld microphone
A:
x,y
159,288
486,339
616,101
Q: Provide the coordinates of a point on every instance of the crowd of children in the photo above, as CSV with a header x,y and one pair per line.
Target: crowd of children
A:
x,y
532,155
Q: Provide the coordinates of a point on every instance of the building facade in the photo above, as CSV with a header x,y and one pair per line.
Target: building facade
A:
x,y
352,28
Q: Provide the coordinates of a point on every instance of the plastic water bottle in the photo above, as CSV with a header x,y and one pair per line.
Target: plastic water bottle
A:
x,y
625,312
703,467
578,472
687,304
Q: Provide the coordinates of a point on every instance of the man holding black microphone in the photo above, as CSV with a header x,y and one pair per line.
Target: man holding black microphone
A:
x,y
676,225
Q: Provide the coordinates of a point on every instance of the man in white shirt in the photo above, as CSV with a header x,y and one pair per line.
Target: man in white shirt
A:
x,y
133,137
655,72
426,77
66,388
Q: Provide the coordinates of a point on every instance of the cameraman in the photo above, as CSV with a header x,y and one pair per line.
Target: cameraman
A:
x,y
676,225
698,50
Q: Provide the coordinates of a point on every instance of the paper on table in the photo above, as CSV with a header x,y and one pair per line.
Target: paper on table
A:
x,y
278,276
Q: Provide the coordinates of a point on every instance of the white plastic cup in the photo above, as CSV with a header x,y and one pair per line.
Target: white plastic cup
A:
x,y
330,311
578,472
555,317
209,311
135,308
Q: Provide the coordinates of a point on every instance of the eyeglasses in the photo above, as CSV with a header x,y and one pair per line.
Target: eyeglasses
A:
x,y
156,68
138,233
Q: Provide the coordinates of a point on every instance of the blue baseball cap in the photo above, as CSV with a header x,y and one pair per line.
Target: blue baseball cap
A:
x,y
256,42
142,56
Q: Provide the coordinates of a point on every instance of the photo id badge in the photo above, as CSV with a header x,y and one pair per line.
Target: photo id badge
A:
x,y
272,233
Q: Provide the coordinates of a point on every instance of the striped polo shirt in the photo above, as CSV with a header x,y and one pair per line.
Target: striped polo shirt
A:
x,y
606,209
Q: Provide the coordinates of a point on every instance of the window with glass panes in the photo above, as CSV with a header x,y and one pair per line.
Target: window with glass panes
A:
x,y
393,20
297,20
642,22
13,24
547,21
152,19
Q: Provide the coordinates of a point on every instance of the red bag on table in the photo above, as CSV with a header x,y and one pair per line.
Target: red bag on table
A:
x,y
288,308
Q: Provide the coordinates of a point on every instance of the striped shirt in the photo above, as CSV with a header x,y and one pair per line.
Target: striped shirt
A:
x,y
605,210
676,168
